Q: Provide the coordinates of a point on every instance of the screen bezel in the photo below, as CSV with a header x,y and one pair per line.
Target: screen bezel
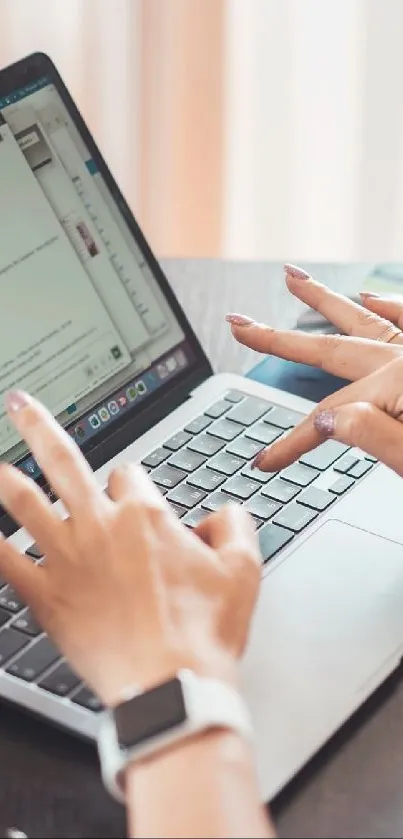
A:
x,y
175,391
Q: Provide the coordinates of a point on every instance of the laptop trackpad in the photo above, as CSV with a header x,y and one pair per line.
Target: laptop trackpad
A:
x,y
329,618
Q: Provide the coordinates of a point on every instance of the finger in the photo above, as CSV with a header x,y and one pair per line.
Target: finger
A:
x,y
56,453
231,534
230,527
29,506
382,388
349,358
29,579
131,481
348,316
366,426
389,309
305,436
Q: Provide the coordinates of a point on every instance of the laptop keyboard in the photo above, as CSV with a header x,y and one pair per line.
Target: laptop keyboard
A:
x,y
199,469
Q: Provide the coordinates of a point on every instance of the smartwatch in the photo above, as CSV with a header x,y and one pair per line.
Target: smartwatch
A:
x,y
148,722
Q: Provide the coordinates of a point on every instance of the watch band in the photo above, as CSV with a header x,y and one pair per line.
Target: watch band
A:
x,y
207,703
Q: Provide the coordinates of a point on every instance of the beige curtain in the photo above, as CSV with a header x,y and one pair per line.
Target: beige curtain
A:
x,y
241,128
148,77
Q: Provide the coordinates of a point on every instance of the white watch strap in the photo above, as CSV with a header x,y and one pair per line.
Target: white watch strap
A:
x,y
209,704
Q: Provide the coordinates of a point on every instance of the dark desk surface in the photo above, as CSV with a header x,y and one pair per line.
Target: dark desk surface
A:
x,y
50,785
49,782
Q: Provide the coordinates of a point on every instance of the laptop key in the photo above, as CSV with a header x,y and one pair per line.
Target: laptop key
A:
x,y
177,508
178,440
345,464
4,617
156,457
360,469
257,522
272,539
226,463
257,474
284,418
33,661
241,487
225,430
280,490
198,425
187,460
300,474
325,455
11,642
87,699
195,516
235,396
295,517
10,600
341,485
168,476
25,622
318,499
249,411
206,479
262,507
187,496
216,501
60,681
218,409
244,447
206,444
264,433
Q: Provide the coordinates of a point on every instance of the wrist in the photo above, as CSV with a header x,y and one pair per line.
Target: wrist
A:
x,y
214,664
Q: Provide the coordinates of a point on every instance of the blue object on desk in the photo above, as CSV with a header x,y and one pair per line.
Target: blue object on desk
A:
x,y
300,379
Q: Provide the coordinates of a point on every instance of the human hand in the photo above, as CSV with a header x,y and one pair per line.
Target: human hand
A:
x,y
127,593
367,414
372,337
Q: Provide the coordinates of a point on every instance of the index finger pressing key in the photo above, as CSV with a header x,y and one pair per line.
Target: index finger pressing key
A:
x,y
57,455
305,436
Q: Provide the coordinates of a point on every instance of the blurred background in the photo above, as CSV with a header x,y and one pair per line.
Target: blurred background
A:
x,y
252,129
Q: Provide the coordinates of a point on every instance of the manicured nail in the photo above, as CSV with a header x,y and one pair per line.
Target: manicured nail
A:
x,y
296,272
239,320
258,460
365,294
325,423
15,400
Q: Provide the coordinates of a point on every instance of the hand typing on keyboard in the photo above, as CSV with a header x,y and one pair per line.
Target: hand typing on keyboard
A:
x,y
125,591
362,414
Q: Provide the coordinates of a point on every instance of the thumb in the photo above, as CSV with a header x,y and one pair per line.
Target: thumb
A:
x,y
231,526
363,425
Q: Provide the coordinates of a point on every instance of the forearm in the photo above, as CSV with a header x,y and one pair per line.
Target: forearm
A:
x,y
203,788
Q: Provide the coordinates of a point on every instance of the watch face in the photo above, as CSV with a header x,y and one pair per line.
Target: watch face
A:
x,y
150,714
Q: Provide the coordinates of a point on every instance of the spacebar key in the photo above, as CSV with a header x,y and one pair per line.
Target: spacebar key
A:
x,y
272,539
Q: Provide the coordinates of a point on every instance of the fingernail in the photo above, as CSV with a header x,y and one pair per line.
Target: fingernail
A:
x,y
325,423
258,460
239,320
369,294
296,272
15,400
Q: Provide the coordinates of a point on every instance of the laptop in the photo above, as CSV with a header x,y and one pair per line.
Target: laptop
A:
x,y
89,324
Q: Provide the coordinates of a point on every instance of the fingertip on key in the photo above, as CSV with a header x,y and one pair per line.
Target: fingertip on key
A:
x,y
258,461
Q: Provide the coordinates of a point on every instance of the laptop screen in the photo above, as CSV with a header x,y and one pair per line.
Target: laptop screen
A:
x,y
85,325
